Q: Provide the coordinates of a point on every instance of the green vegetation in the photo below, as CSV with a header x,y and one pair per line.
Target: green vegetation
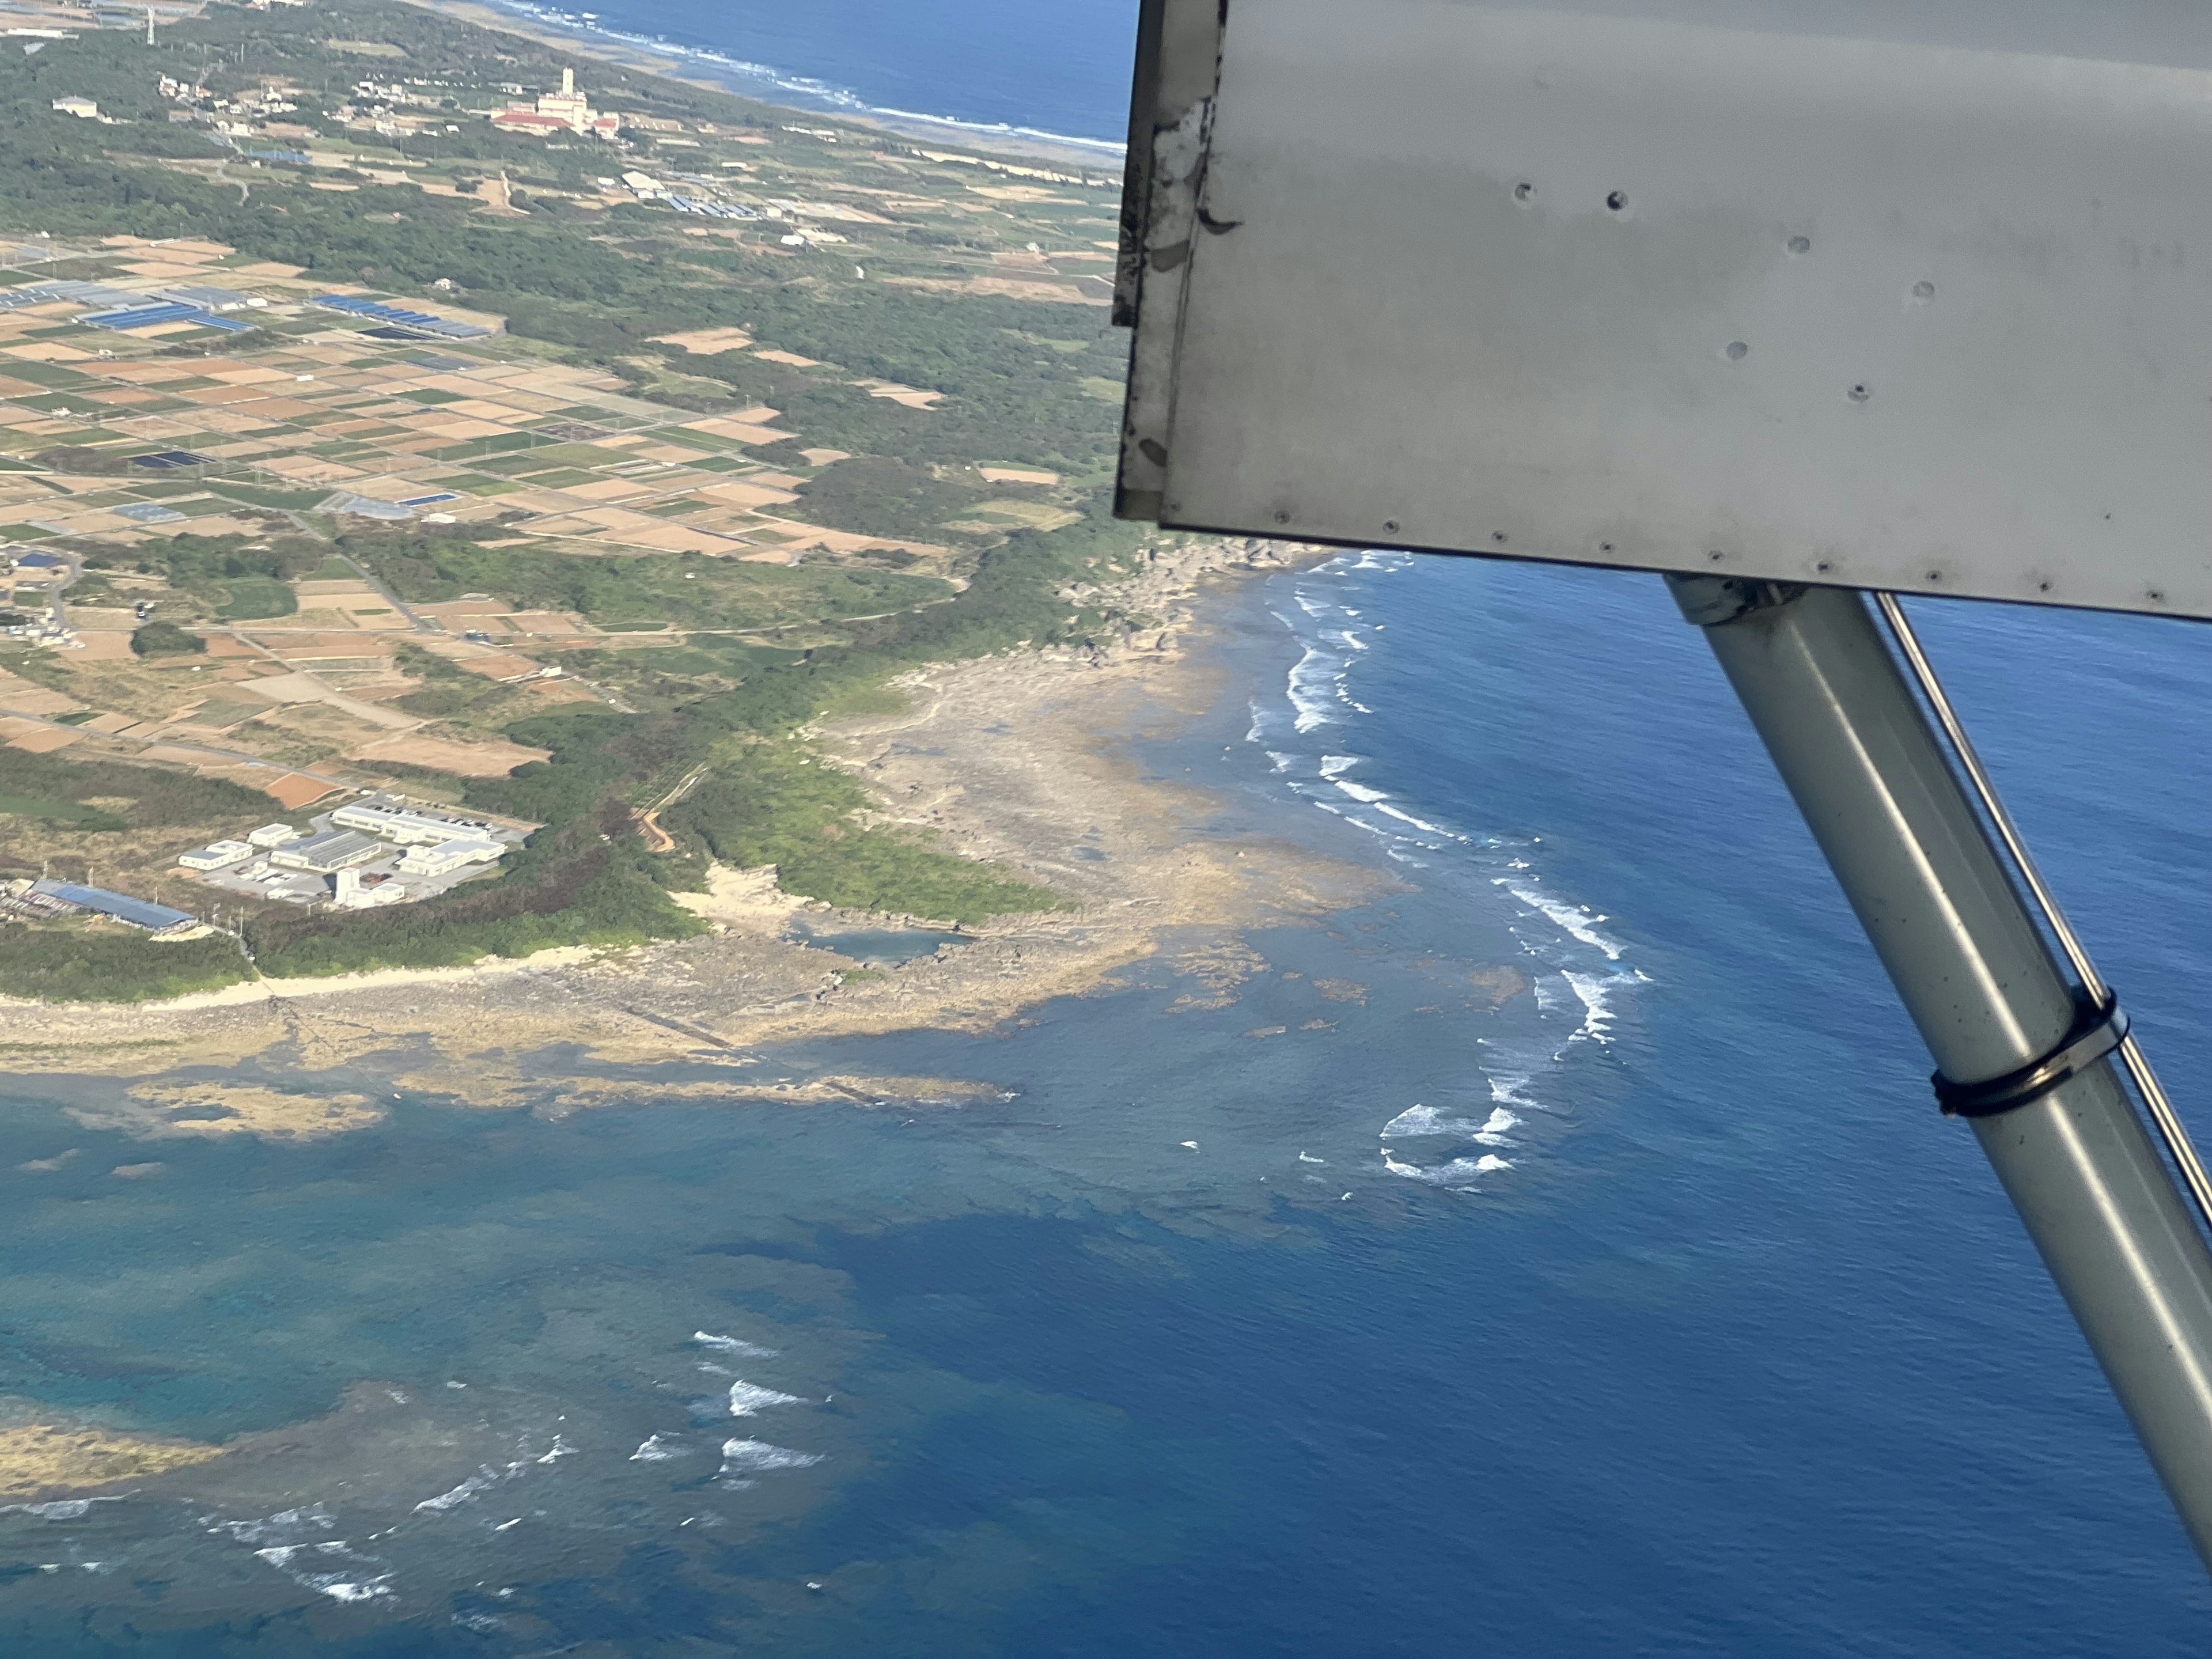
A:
x,y
248,599
646,588
157,797
222,577
777,806
75,815
161,639
767,649
71,964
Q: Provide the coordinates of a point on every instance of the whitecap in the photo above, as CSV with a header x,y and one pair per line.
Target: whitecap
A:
x,y
1419,1121
654,1450
1459,1173
485,1478
1593,989
1505,1089
733,1345
1313,688
275,1526
340,1589
758,1456
1418,823
1360,792
1572,919
746,1398
346,1585
1331,765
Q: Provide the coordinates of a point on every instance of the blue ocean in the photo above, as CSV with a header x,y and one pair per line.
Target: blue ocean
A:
x,y
1060,69
1559,1254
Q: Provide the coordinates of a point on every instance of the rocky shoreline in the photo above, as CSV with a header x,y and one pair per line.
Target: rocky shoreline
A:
x,y
1043,796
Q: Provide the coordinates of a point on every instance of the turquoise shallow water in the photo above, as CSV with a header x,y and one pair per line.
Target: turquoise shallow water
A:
x,y
1730,1347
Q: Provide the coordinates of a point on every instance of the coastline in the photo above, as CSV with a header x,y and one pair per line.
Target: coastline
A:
x,y
1058,800
676,63
1142,886
1054,801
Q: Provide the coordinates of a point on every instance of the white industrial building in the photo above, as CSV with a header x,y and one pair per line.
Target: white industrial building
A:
x,y
378,850
215,856
407,824
449,856
326,853
350,892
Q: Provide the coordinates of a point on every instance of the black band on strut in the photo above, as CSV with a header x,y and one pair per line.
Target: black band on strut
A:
x,y
2098,1028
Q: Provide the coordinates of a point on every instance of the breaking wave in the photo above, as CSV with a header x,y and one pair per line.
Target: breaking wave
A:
x,y
1575,958
746,1398
756,1457
1417,1121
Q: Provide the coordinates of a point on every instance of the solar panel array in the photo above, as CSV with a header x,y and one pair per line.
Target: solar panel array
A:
x,y
397,315
145,316
122,308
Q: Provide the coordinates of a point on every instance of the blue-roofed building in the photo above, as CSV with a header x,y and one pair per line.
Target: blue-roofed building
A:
x,y
139,912
38,562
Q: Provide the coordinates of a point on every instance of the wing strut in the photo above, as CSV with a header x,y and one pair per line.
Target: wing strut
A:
x,y
2023,1052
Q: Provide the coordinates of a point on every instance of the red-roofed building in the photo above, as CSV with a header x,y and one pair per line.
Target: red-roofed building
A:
x,y
565,111
529,120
